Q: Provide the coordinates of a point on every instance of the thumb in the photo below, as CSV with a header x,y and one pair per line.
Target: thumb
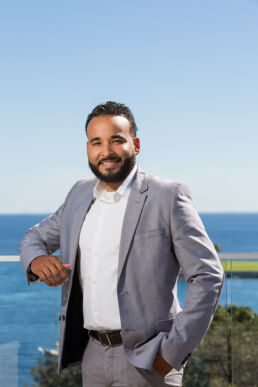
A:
x,y
67,265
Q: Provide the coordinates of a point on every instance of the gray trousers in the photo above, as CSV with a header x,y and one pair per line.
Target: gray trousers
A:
x,y
107,366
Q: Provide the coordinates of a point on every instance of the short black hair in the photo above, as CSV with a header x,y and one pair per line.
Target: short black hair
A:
x,y
111,108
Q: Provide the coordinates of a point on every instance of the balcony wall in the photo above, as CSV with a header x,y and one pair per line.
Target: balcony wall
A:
x,y
227,356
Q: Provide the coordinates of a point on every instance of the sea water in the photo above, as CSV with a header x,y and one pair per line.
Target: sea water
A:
x,y
29,314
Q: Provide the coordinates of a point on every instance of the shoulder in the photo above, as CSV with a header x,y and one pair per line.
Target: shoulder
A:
x,y
85,183
82,186
156,183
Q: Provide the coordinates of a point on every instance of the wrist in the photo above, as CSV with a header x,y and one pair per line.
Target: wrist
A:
x,y
32,276
161,365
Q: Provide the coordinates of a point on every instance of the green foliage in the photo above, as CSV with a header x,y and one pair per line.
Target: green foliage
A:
x,y
227,350
217,247
46,374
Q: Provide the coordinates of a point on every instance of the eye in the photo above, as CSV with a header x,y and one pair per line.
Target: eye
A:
x,y
118,141
95,143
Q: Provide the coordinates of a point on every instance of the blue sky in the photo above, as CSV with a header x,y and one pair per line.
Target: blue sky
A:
x,y
187,69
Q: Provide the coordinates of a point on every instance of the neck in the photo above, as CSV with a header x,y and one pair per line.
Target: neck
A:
x,y
111,187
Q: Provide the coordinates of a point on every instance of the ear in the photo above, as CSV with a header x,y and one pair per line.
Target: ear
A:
x,y
137,146
87,146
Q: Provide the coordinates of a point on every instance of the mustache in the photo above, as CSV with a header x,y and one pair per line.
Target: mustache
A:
x,y
109,159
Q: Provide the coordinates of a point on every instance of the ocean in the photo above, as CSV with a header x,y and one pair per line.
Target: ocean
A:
x,y
233,232
29,314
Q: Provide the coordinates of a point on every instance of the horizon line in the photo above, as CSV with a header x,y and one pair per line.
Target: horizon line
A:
x,y
199,212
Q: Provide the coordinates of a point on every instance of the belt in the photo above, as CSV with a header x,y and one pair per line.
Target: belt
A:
x,y
111,338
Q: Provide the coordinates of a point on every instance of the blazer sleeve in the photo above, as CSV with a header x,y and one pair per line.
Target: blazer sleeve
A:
x,y
42,239
204,274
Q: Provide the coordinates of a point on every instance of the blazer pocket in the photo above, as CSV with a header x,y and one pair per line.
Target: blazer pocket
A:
x,y
164,325
150,234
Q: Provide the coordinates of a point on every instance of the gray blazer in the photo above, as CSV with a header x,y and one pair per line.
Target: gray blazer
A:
x,y
161,233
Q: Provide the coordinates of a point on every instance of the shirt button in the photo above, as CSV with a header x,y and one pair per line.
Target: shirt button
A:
x,y
94,282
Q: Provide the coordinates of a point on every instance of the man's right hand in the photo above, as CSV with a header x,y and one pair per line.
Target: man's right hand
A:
x,y
50,270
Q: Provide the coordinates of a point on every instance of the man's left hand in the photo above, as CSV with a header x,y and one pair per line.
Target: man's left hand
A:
x,y
161,365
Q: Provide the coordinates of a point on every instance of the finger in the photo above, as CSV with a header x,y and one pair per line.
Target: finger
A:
x,y
48,283
41,267
62,270
47,276
54,273
57,274
58,279
57,271
45,279
55,259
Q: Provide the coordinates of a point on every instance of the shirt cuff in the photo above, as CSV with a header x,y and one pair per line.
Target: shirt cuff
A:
x,y
31,276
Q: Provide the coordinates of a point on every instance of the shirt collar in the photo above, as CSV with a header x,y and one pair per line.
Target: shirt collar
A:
x,y
123,190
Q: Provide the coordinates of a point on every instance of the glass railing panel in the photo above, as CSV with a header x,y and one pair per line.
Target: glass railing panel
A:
x,y
29,324
243,336
227,355
208,366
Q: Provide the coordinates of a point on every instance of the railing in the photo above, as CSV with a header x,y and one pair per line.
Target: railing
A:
x,y
28,321
229,352
227,356
240,298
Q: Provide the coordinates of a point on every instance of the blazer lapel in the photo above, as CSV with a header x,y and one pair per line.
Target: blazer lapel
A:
x,y
84,203
133,212
76,217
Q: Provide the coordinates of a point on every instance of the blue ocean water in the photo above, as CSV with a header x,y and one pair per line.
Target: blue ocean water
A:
x,y
12,229
233,232
29,314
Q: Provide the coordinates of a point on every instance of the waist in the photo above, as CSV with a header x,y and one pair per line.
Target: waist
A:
x,y
111,338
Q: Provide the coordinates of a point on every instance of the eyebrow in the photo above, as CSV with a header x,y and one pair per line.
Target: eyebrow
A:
x,y
118,136
95,139
113,137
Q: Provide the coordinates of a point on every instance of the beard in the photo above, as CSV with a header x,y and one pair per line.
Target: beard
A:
x,y
118,176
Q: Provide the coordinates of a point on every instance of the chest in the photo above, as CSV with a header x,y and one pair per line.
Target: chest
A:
x,y
102,226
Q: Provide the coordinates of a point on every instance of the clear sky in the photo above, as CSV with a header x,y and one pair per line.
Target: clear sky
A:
x,y
187,69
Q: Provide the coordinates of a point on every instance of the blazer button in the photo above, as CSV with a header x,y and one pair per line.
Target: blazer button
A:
x,y
63,317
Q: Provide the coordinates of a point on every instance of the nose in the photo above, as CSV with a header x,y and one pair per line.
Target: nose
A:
x,y
106,149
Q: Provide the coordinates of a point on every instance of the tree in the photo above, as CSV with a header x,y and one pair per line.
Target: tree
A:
x,y
227,355
217,247
45,374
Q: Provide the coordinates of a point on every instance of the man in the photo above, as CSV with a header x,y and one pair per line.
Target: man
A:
x,y
123,238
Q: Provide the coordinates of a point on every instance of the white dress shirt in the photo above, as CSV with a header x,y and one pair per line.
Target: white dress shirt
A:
x,y
99,252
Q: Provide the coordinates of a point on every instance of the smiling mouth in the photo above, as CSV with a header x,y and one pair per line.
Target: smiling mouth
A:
x,y
109,163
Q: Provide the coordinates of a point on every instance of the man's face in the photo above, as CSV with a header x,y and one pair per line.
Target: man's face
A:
x,y
111,149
